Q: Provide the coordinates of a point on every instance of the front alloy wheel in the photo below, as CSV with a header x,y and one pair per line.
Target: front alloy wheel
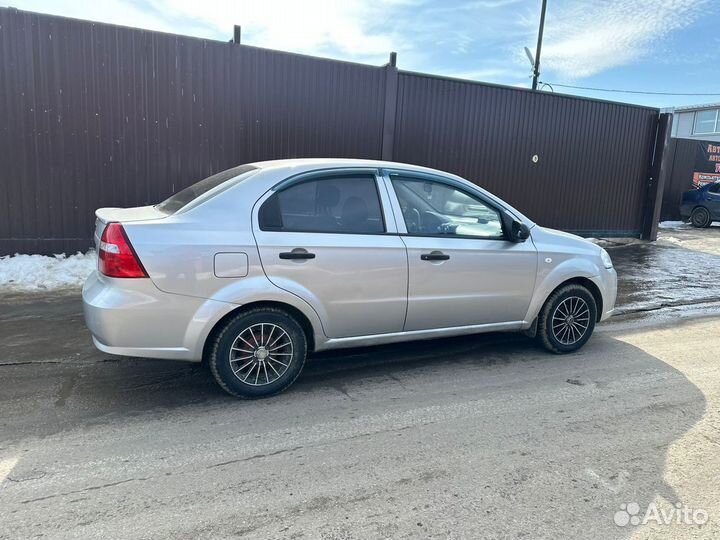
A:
x,y
567,319
258,353
570,320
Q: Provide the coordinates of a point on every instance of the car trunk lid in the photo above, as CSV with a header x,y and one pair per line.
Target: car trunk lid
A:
x,y
103,216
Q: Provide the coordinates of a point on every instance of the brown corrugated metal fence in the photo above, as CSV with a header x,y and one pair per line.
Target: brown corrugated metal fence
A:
x,y
680,177
99,115
592,157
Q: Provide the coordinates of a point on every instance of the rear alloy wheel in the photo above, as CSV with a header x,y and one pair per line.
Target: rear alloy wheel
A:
x,y
700,218
259,353
567,319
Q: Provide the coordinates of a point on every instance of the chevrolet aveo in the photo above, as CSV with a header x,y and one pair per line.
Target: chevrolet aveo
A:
x,y
253,268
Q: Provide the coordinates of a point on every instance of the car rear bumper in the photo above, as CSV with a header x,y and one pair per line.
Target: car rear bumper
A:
x,y
686,211
132,317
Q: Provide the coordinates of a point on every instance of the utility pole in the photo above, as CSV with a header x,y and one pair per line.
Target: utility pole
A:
x,y
536,67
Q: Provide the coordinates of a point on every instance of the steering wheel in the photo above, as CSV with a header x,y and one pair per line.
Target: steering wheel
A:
x,y
413,221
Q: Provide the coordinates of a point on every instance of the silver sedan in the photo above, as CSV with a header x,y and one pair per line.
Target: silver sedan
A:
x,y
254,267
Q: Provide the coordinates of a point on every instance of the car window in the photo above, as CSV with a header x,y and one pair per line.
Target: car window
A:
x,y
348,204
433,208
715,188
189,194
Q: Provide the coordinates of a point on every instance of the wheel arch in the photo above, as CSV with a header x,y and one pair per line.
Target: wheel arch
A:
x,y
589,285
294,312
545,323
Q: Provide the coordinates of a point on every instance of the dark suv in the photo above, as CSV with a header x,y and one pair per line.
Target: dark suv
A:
x,y
701,206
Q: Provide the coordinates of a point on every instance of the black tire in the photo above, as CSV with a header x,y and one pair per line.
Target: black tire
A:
x,y
573,299
700,218
230,342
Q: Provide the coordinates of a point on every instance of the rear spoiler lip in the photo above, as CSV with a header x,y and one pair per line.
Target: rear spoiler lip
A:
x,y
101,216
111,214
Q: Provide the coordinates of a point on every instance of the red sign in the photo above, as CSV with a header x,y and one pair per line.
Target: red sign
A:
x,y
707,164
701,178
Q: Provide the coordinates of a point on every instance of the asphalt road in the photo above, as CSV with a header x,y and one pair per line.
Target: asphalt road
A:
x,y
480,437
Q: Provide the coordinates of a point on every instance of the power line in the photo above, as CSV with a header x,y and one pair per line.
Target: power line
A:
x,y
632,91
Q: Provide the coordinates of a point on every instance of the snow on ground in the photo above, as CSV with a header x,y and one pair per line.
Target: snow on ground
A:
x,y
42,273
672,225
688,237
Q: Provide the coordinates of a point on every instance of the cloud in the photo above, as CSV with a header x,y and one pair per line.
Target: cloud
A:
x,y
586,37
353,28
477,39
492,4
488,74
350,29
122,12
470,6
429,35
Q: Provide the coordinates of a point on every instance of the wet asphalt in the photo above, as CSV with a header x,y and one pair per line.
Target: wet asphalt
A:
x,y
651,276
476,437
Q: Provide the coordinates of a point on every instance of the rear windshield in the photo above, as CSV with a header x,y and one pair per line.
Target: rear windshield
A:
x,y
189,194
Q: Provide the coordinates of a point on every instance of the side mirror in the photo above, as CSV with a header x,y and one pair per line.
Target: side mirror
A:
x,y
516,230
519,232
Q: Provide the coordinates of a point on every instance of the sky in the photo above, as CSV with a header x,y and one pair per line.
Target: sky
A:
x,y
641,45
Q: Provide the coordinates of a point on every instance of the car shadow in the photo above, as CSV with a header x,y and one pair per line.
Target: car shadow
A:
x,y
596,424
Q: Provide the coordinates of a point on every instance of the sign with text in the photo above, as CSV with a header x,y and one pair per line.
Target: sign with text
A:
x,y
707,164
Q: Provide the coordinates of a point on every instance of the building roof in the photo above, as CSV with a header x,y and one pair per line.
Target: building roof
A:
x,y
688,108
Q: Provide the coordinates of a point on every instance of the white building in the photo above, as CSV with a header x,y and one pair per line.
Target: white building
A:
x,y
696,122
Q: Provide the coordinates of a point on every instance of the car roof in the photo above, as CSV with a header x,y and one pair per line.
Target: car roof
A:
x,y
300,164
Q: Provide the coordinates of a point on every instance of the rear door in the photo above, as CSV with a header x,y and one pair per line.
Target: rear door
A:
x,y
330,239
462,270
713,200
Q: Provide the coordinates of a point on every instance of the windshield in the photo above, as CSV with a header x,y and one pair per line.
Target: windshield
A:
x,y
189,194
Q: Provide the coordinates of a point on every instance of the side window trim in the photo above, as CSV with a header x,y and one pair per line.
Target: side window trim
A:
x,y
421,176
390,202
389,225
394,204
319,173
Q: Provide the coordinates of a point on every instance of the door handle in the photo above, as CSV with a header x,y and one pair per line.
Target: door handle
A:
x,y
296,255
434,256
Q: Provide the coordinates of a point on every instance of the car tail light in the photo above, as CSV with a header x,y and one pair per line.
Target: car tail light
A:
x,y
117,257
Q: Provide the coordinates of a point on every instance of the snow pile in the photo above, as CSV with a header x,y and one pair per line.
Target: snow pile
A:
x,y
673,240
612,242
600,241
41,273
672,224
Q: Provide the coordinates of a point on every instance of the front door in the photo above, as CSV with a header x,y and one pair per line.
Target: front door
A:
x,y
325,239
462,270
